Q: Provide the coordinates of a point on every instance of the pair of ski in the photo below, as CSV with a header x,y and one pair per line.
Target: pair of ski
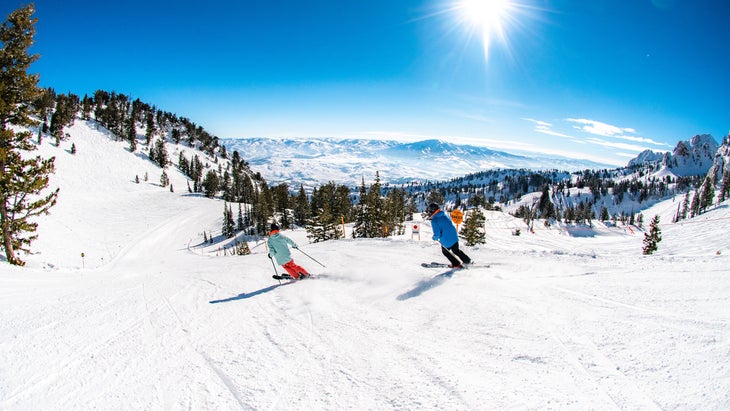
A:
x,y
281,277
443,265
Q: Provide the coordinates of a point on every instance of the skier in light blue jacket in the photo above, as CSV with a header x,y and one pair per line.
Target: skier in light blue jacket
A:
x,y
279,250
445,233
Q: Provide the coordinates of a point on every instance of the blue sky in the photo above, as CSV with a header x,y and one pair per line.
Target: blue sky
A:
x,y
593,79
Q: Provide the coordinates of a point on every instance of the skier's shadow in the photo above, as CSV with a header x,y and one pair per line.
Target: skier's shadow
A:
x,y
425,285
245,296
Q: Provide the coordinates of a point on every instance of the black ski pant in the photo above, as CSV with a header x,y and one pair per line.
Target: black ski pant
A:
x,y
453,252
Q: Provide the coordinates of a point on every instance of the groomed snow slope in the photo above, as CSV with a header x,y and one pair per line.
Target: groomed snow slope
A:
x,y
152,321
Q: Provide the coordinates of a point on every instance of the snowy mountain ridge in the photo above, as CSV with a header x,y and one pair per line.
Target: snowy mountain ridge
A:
x,y
690,157
314,161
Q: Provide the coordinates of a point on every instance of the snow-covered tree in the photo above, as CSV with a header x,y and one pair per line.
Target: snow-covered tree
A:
x,y
725,187
708,194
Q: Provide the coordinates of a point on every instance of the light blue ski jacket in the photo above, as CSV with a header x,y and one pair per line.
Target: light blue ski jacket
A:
x,y
278,248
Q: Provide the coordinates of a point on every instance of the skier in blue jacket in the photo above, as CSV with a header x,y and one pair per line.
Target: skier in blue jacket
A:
x,y
279,250
445,233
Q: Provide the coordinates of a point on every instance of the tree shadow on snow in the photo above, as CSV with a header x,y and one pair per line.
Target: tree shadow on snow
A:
x,y
425,285
244,296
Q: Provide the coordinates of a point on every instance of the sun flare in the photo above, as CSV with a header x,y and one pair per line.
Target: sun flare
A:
x,y
486,19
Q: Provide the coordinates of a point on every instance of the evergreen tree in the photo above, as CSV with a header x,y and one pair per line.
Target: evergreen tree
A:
x,y
708,194
361,226
229,228
22,177
653,237
160,153
395,212
164,179
210,184
321,227
604,214
301,207
725,187
696,202
685,207
545,206
131,134
375,211
240,223
151,128
473,230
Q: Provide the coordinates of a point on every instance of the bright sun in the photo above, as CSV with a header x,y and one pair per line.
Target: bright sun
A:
x,y
485,18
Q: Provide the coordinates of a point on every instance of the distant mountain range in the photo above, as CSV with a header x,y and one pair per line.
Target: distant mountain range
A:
x,y
348,161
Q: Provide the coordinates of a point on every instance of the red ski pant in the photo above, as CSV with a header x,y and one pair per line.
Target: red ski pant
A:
x,y
294,270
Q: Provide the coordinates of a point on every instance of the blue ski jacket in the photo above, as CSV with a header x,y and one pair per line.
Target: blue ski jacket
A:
x,y
443,229
278,248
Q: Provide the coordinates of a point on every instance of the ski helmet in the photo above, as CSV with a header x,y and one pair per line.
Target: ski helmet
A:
x,y
432,208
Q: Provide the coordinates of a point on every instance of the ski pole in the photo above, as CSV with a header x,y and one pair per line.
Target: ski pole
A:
x,y
274,266
312,258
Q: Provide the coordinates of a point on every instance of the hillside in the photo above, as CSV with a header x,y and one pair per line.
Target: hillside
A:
x,y
152,319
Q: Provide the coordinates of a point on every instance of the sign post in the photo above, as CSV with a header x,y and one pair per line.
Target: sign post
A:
x,y
457,216
416,230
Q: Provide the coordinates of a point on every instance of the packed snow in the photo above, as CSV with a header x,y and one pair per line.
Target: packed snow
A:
x,y
152,318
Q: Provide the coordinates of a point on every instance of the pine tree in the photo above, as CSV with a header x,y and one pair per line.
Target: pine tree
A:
x,y
375,210
604,214
708,194
211,182
653,237
321,227
361,226
240,224
725,187
301,207
395,211
229,227
694,209
685,207
164,179
22,177
545,205
160,153
473,230
131,134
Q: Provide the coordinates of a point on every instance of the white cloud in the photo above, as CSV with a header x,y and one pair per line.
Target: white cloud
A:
x,y
599,128
607,130
546,128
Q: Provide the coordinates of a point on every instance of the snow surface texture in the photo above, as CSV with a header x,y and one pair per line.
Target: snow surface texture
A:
x,y
152,319
347,161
